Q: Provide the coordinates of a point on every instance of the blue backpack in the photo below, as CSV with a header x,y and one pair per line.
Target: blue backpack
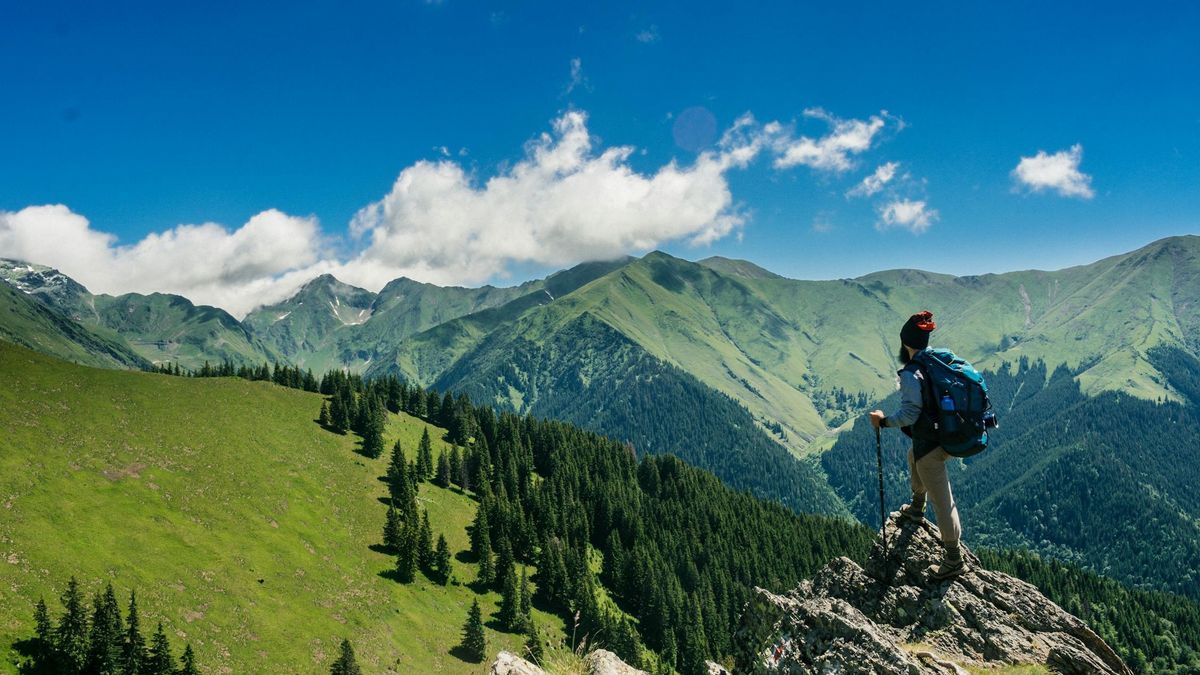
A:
x,y
957,401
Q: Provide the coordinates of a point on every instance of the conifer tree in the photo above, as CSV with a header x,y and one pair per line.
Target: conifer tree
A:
x,y
526,605
323,419
161,661
372,428
133,657
509,612
441,561
474,641
44,631
406,555
425,543
534,649
71,637
424,456
188,662
392,530
442,478
487,567
106,643
345,664
457,473
505,564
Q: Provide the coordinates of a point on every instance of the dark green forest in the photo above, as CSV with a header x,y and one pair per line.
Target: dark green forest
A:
x,y
653,405
677,550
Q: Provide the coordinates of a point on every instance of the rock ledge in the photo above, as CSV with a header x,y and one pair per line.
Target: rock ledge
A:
x,y
888,617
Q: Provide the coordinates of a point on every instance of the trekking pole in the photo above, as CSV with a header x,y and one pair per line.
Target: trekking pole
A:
x,y
879,461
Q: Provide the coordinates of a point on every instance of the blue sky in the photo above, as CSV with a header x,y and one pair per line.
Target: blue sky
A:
x,y
142,117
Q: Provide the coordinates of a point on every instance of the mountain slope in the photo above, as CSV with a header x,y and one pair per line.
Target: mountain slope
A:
x,y
29,323
243,525
158,327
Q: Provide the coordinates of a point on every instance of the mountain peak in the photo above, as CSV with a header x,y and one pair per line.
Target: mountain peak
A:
x,y
738,268
888,616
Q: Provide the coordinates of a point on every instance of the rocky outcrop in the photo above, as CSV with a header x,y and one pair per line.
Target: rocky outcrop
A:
x,y
889,617
508,663
598,662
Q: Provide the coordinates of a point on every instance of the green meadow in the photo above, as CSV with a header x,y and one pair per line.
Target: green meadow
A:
x,y
245,527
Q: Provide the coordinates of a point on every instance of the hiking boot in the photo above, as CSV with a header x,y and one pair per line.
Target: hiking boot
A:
x,y
913,511
952,564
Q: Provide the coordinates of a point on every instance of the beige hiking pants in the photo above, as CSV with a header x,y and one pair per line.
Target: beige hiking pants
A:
x,y
929,477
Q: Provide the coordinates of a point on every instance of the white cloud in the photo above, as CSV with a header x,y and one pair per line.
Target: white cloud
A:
x,y
912,215
874,183
648,35
565,201
833,151
1059,172
262,261
577,78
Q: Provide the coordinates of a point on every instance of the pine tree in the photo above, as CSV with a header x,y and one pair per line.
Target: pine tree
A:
x,y
71,637
425,543
372,428
441,561
345,664
442,479
161,661
133,656
526,605
533,643
107,636
509,612
404,497
474,641
457,470
424,456
392,530
323,419
406,555
188,665
45,631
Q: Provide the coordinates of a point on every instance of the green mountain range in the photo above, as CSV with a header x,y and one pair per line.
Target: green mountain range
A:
x,y
158,327
735,369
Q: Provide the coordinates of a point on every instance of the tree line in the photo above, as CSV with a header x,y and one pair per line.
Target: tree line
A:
x,y
101,641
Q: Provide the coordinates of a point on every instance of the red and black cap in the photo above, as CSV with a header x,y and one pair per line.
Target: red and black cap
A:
x,y
916,330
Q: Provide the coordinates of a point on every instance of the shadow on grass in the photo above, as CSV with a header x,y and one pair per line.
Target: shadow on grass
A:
x,y
464,557
460,652
31,662
380,548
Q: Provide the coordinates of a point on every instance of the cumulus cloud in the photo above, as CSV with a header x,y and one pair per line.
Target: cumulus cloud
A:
x,y
913,215
833,151
262,261
565,201
1058,172
873,183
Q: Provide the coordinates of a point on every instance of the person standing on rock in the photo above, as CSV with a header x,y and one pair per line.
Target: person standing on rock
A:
x,y
926,458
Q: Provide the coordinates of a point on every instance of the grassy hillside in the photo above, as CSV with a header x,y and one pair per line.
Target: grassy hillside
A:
x,y
169,328
242,524
26,322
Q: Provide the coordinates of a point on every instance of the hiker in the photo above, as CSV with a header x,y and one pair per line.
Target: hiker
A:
x,y
926,458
